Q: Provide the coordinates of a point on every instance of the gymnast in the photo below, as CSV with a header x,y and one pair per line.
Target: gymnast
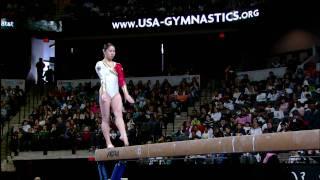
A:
x,y
111,77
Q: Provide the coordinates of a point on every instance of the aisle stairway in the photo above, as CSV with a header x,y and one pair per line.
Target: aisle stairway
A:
x,y
32,101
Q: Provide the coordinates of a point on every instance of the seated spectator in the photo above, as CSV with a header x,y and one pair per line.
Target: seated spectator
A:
x,y
256,129
195,133
205,134
86,138
283,126
217,132
243,117
261,97
278,114
227,131
304,94
208,121
239,131
273,95
216,115
247,128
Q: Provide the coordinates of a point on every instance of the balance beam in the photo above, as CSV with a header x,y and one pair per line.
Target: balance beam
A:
x,y
285,141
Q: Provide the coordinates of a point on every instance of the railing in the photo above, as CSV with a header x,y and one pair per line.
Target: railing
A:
x,y
33,95
44,141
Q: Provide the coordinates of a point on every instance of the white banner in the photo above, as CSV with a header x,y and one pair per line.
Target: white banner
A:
x,y
13,83
173,80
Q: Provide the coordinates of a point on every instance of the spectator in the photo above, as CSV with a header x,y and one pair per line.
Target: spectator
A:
x,y
40,66
49,75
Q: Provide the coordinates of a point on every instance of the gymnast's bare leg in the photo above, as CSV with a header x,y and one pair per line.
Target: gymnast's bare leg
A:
x,y
116,104
105,101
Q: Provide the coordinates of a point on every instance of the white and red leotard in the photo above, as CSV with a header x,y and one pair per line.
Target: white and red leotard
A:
x,y
111,78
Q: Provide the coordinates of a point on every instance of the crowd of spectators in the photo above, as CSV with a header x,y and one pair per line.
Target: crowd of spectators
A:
x,y
77,9
288,59
136,8
70,117
243,107
28,9
11,101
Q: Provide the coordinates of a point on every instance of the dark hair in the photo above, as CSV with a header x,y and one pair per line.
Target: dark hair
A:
x,y
106,46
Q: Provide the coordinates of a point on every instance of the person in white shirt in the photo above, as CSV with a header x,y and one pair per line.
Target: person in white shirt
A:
x,y
216,115
261,97
205,134
303,96
236,93
256,129
273,95
247,128
229,105
26,126
278,114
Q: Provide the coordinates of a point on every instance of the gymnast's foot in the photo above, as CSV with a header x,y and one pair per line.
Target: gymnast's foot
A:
x,y
124,139
110,146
